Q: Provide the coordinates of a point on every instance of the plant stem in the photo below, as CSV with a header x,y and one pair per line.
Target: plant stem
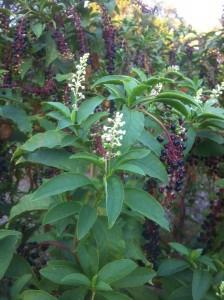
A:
x,y
156,120
93,295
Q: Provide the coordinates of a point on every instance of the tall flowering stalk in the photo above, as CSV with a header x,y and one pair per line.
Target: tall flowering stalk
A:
x,y
109,34
77,80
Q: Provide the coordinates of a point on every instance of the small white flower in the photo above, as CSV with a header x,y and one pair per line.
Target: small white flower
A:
x,y
113,135
77,79
156,90
217,91
198,96
173,68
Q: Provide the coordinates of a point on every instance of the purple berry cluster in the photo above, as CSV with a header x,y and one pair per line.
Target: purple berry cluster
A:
x,y
152,245
145,9
59,37
19,43
48,88
209,226
36,254
73,14
109,36
173,157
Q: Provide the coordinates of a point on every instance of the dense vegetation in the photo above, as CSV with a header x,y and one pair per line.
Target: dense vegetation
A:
x,y
111,153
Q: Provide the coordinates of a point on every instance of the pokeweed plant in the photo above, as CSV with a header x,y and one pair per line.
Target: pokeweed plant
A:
x,y
93,206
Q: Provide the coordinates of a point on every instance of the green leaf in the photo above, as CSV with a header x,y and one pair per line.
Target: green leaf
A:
x,y
88,157
134,126
57,158
145,204
176,104
191,136
114,198
148,140
80,294
56,270
200,284
115,296
153,167
25,66
171,266
103,286
92,119
76,279
26,204
36,295
51,51
60,212
131,167
18,116
182,293
138,277
19,284
140,73
60,184
37,29
87,108
88,258
48,139
8,242
180,248
64,110
87,218
182,97
116,270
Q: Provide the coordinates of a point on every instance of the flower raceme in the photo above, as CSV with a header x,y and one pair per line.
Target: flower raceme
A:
x,y
77,79
113,135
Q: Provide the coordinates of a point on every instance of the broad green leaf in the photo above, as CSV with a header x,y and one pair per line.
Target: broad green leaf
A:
x,y
140,73
148,140
92,119
153,167
88,157
80,294
114,296
103,286
76,279
116,270
56,270
57,158
114,198
51,51
88,258
48,139
200,284
171,266
62,108
182,97
19,284
87,108
138,277
143,203
18,116
182,293
180,248
60,184
211,135
36,295
8,242
37,29
87,218
176,104
134,126
131,167
25,66
28,204
60,212
191,136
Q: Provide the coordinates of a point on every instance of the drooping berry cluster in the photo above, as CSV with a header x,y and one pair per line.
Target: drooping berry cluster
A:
x,y
209,226
173,157
73,14
59,37
20,42
152,245
46,90
36,254
109,36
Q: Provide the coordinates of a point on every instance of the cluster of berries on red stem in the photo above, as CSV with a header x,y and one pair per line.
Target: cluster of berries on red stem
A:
x,y
109,36
73,14
20,42
152,245
173,157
